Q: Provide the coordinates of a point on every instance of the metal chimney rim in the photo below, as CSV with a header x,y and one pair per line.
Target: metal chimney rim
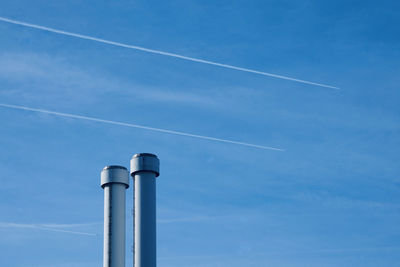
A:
x,y
144,155
114,167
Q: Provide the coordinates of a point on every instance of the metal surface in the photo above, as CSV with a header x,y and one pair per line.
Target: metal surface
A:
x,y
115,181
144,170
145,162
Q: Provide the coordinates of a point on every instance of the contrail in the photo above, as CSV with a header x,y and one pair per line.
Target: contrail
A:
x,y
153,51
71,225
42,227
138,126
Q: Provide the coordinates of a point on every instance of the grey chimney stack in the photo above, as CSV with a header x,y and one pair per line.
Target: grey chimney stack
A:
x,y
114,180
144,170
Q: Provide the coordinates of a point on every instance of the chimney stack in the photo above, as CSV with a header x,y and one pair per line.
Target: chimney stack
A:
x,y
114,180
144,170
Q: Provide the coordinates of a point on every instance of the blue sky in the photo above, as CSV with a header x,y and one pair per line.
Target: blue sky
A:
x,y
331,199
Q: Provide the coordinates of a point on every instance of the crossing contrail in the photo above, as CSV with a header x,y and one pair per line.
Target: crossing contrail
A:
x,y
42,227
159,52
80,117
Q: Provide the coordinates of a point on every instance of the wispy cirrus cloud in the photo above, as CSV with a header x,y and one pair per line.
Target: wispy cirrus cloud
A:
x,y
37,76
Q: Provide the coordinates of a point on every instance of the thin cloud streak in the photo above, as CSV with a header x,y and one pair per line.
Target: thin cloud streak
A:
x,y
68,115
194,219
287,252
43,227
153,51
71,225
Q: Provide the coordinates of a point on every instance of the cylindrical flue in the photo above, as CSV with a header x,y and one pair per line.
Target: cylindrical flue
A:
x,y
144,170
115,181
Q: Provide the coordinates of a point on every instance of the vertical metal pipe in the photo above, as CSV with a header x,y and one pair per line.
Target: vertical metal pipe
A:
x,y
144,170
115,181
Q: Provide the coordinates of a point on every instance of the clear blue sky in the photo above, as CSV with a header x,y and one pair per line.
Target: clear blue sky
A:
x,y
331,199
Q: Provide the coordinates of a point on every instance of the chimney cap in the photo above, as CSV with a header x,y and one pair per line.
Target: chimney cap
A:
x,y
145,162
114,174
